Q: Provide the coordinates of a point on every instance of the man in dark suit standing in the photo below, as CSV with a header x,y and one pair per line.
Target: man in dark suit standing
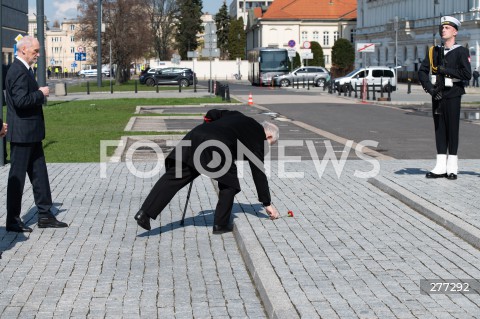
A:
x,y
26,132
211,149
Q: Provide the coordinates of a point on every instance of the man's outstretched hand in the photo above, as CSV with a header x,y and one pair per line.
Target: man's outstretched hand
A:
x,y
272,212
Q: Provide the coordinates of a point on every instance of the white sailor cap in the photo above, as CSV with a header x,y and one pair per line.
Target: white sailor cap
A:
x,y
450,21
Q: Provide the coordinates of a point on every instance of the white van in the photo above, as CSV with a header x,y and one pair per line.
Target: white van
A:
x,y
381,76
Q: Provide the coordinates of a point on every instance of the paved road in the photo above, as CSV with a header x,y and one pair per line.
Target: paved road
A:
x,y
356,247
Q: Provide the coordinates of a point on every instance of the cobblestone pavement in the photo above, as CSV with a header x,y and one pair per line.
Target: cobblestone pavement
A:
x,y
356,247
350,251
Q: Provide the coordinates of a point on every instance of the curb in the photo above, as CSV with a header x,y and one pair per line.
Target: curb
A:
x,y
275,300
445,219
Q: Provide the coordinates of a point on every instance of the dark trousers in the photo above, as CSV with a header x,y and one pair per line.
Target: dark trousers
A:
x,y
447,126
27,158
168,185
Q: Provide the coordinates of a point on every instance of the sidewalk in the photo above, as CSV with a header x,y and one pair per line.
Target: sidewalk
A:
x,y
350,251
355,248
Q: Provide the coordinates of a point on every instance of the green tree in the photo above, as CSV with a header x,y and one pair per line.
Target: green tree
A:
x,y
236,40
222,21
189,24
343,57
318,58
296,61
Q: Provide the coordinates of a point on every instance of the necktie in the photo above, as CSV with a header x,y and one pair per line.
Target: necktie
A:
x,y
31,72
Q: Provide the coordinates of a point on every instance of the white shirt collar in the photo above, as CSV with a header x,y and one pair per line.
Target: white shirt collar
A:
x,y
24,62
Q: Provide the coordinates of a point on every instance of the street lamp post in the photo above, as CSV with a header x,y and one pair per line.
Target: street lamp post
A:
x,y
41,70
435,2
99,44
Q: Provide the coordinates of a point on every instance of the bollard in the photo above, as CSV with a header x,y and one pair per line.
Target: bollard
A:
x,y
330,88
111,87
388,91
361,93
157,87
308,85
368,92
227,93
373,97
303,81
209,86
409,85
381,91
356,88
136,86
222,91
88,87
179,86
350,89
194,84
298,83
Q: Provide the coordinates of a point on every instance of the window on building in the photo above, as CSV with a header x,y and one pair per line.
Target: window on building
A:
x,y
72,49
316,36
304,36
72,38
326,37
72,27
353,33
336,35
56,49
327,59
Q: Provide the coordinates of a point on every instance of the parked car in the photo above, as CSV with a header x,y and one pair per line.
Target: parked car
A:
x,y
184,76
92,73
314,74
382,76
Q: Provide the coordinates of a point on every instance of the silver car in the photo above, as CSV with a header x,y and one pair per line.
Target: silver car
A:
x,y
314,74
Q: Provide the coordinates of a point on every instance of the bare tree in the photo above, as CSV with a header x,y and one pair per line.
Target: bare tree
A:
x,y
161,15
123,29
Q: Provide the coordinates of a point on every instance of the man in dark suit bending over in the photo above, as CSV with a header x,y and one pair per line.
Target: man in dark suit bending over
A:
x,y
26,130
211,149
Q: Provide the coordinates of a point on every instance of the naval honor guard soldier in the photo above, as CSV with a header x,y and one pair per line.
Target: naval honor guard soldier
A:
x,y
442,74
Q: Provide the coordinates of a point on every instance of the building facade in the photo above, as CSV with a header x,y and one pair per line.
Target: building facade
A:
x,y
239,8
403,30
298,21
14,21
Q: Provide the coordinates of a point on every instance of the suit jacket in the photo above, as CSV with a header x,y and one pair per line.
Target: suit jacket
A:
x,y
24,106
227,127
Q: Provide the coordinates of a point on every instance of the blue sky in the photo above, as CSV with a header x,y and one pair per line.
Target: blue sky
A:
x,y
59,9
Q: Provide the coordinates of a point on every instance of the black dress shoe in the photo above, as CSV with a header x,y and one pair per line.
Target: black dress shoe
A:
x,y
433,175
143,220
221,229
19,228
452,176
49,221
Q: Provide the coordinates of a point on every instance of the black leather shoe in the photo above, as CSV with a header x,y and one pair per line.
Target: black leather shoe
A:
x,y
143,220
433,175
49,221
19,228
221,229
452,176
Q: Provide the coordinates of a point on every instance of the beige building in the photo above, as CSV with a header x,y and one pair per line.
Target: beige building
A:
x,y
61,45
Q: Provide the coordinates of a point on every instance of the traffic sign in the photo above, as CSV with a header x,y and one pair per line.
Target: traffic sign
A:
x,y
307,56
291,43
366,47
80,56
306,45
74,65
291,52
